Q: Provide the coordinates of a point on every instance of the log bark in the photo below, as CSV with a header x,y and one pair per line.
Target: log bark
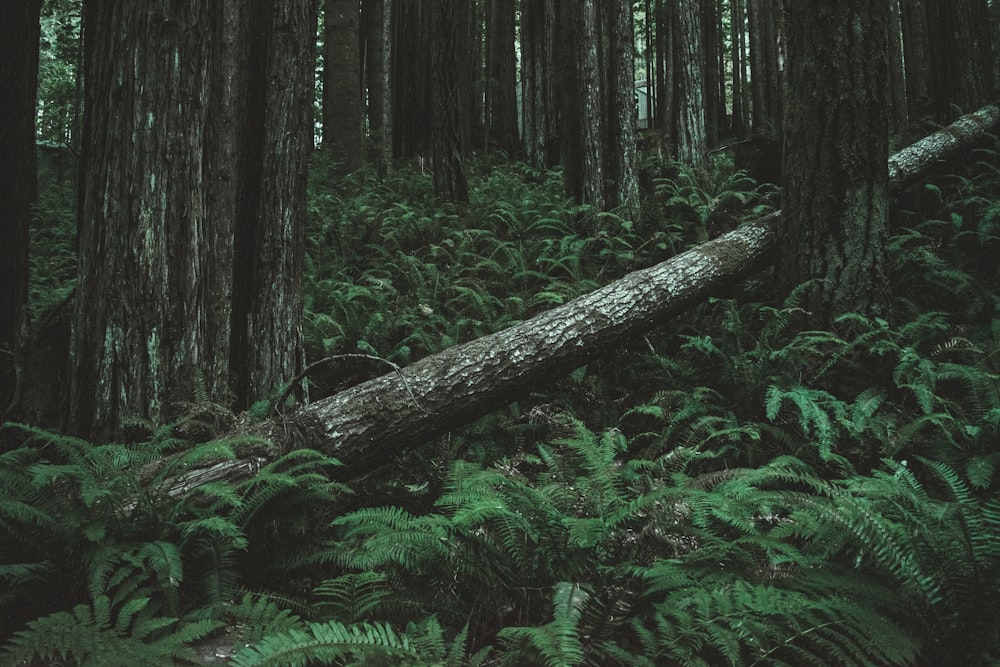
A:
x,y
372,422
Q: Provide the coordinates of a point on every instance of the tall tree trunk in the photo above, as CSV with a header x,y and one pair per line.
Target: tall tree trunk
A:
x,y
898,112
271,221
738,42
715,104
19,33
690,133
591,93
412,101
450,104
960,50
373,74
835,198
139,324
766,30
538,80
196,133
342,86
501,77
665,15
916,57
621,172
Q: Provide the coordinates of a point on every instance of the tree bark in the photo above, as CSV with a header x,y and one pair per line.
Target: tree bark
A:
x,y
538,79
501,77
450,131
368,424
689,58
765,27
267,350
835,196
19,33
411,80
198,125
622,182
342,89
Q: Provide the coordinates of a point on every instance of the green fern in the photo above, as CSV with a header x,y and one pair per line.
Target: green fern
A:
x,y
103,634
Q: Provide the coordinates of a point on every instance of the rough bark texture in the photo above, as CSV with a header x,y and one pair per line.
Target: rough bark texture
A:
x,y
622,182
342,90
139,325
835,199
450,133
591,96
19,30
271,221
692,146
191,226
370,423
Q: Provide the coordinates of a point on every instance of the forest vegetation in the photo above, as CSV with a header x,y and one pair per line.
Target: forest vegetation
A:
x,y
500,332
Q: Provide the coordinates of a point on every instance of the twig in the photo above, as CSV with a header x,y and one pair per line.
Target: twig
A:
x,y
337,357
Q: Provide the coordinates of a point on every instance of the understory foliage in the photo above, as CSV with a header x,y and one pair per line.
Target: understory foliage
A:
x,y
733,489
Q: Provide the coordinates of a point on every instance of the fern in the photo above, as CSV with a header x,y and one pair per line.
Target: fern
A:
x,y
102,634
359,644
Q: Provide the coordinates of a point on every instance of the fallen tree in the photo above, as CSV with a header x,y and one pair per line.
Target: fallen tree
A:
x,y
369,423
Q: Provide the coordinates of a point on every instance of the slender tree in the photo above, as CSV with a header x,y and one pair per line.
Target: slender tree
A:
x,y
539,80
738,43
835,196
376,48
501,77
19,31
766,31
916,58
343,102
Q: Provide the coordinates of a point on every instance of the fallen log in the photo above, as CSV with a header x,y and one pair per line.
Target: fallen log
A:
x,y
370,423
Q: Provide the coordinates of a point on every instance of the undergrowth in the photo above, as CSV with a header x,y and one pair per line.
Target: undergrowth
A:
x,y
733,489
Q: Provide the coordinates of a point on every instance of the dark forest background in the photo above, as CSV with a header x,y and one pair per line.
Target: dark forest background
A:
x,y
499,332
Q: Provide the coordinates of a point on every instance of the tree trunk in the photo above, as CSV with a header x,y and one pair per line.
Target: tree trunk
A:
x,y
342,88
623,185
715,103
139,325
412,101
538,79
766,30
835,198
915,57
898,113
450,133
960,50
368,424
271,221
19,33
738,125
501,77
191,228
690,133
